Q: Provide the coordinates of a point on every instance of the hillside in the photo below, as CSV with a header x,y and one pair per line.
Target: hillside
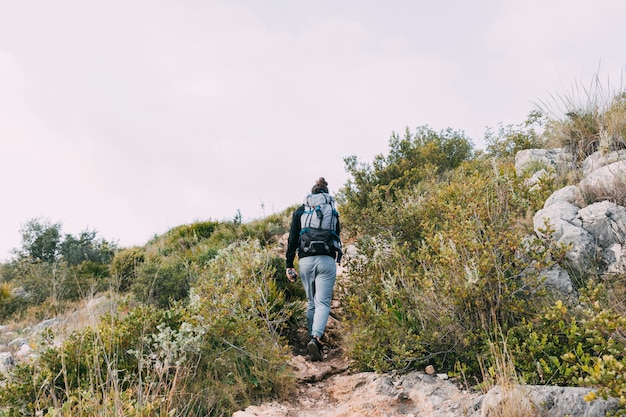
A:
x,y
500,269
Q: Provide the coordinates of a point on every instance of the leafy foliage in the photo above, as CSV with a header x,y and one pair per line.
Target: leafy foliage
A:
x,y
509,140
49,266
220,353
566,346
412,159
445,284
40,240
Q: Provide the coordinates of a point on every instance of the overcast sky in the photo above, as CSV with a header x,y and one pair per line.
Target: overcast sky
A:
x,y
130,117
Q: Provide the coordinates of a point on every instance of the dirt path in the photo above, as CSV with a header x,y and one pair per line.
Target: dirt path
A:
x,y
329,389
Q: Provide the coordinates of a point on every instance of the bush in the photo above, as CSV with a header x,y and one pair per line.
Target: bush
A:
x,y
160,281
440,289
124,267
92,361
199,361
9,304
412,159
509,140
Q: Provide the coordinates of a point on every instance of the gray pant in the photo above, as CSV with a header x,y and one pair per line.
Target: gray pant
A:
x,y
318,274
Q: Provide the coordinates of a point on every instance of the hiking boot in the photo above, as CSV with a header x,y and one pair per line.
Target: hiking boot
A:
x,y
314,348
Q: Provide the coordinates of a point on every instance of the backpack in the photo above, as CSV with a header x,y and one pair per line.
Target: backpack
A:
x,y
318,226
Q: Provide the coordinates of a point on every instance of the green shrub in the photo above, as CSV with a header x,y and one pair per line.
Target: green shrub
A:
x,y
181,361
566,346
186,236
239,297
124,267
9,304
88,361
440,288
509,140
411,160
162,280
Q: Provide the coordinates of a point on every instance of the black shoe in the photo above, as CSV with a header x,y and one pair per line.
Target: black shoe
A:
x,y
314,348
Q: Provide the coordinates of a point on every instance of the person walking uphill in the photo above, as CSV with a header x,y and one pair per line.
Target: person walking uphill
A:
x,y
314,236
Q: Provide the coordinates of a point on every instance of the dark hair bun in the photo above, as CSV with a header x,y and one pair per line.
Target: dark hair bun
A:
x,y
321,186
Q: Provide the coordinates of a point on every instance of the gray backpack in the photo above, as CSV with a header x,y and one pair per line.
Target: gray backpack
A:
x,y
318,227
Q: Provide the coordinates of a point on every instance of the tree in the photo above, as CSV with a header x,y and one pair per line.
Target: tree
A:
x,y
40,240
85,247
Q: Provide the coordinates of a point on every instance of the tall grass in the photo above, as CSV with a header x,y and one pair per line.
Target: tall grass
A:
x,y
503,375
588,118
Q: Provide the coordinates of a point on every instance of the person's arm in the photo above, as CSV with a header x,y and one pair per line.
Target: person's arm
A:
x,y
294,237
338,227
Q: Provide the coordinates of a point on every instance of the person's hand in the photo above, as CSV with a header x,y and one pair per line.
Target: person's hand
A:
x,y
292,274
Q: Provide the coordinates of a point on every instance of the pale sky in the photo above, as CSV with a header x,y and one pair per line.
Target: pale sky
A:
x,y
130,117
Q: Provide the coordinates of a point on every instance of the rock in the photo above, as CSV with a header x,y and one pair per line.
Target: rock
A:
x,y
558,281
537,177
6,361
548,401
567,230
45,324
615,258
19,292
570,194
606,221
606,182
17,343
533,160
24,351
307,371
559,215
430,370
598,159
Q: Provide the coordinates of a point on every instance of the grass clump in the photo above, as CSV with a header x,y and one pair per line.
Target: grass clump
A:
x,y
587,119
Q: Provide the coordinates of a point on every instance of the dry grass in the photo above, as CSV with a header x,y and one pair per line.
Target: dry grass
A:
x,y
509,399
587,118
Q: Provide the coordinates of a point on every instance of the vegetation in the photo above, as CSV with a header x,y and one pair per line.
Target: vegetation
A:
x,y
205,332
446,274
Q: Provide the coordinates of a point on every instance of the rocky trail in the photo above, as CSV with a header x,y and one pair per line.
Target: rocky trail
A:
x,y
330,388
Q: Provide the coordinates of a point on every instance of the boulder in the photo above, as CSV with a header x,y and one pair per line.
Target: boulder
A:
x,y
605,183
541,175
17,343
560,215
6,361
606,221
24,351
533,160
545,401
599,159
45,324
570,194
614,257
557,281
567,230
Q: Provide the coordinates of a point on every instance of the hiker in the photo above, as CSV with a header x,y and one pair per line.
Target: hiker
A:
x,y
314,235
